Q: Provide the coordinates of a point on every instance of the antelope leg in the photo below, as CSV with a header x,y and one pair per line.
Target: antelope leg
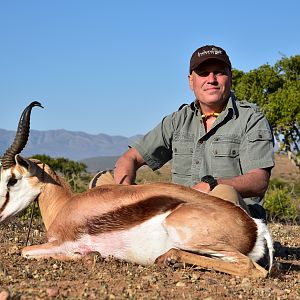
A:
x,y
47,250
243,266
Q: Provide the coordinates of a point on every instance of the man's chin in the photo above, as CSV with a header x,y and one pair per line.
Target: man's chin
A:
x,y
213,101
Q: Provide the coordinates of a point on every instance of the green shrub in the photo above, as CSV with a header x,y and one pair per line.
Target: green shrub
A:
x,y
27,212
281,202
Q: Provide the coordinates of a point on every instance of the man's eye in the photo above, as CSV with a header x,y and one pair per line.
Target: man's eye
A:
x,y
220,72
12,181
203,73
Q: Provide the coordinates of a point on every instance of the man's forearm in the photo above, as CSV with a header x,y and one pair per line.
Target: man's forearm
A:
x,y
127,166
252,184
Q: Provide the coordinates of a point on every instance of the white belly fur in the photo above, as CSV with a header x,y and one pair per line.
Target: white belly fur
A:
x,y
141,244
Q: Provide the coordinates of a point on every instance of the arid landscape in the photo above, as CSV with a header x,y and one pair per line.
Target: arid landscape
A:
x,y
96,278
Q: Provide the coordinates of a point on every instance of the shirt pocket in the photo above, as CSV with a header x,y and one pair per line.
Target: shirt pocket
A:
x,y
182,157
260,143
225,156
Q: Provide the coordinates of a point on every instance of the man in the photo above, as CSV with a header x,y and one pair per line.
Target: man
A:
x,y
214,140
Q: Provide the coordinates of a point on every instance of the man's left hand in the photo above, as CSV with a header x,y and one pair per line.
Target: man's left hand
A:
x,y
202,187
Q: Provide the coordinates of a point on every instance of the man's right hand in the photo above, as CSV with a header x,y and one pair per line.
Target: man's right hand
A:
x,y
127,166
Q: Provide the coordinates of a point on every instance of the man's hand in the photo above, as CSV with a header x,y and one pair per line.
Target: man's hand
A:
x,y
126,167
252,184
202,187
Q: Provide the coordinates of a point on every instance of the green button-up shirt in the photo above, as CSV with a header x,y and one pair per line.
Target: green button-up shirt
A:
x,y
240,140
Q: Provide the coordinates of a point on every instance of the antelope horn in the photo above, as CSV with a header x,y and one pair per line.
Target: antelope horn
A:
x,y
21,137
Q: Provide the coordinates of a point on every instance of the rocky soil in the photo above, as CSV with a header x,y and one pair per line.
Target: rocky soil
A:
x,y
97,278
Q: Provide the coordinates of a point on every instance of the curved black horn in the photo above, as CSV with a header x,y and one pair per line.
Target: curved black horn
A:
x,y
21,137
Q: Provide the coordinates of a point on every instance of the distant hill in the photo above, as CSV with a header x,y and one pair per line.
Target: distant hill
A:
x,y
74,145
100,163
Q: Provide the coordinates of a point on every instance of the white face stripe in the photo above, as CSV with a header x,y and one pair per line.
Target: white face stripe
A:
x,y
5,176
16,197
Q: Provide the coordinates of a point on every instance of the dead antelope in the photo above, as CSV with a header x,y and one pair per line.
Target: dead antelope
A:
x,y
143,224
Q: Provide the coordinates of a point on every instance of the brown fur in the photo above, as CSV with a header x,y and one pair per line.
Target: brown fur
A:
x,y
118,207
208,221
131,215
217,225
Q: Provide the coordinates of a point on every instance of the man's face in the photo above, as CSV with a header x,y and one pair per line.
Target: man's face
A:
x,y
211,83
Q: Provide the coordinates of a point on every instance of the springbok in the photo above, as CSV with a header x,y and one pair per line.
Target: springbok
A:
x,y
143,224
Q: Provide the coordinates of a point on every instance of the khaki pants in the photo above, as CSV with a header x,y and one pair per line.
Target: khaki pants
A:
x,y
222,191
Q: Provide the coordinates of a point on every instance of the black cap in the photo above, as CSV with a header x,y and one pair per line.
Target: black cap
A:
x,y
208,52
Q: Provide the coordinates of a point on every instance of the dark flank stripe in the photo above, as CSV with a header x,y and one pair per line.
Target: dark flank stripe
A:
x,y
5,202
129,216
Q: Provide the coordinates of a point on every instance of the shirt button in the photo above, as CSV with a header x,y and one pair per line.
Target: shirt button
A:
x,y
197,162
233,152
175,149
260,136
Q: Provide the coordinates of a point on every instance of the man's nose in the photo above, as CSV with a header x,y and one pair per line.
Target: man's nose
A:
x,y
212,77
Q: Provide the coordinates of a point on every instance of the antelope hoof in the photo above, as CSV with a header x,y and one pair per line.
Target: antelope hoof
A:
x,y
168,259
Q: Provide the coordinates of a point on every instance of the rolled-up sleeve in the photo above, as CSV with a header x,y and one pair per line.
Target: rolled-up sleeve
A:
x,y
156,146
257,145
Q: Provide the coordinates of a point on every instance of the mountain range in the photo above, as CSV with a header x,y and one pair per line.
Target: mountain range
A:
x,y
73,145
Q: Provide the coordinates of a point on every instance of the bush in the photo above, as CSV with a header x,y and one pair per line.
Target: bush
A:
x,y
25,215
281,202
73,172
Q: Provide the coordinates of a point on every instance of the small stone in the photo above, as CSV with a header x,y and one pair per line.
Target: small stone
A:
x,y
148,278
246,282
195,276
180,284
52,292
4,295
130,292
178,265
3,270
36,232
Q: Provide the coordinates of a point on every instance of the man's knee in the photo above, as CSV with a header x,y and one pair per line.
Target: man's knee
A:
x,y
225,192
102,178
228,193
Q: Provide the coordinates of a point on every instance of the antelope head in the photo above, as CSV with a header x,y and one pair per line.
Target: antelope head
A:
x,y
17,186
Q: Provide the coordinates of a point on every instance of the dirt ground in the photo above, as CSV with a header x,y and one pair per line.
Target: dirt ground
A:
x,y
285,169
97,278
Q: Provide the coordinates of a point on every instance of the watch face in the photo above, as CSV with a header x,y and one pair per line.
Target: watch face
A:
x,y
207,178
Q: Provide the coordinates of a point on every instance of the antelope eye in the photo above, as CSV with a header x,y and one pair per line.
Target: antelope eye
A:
x,y
12,181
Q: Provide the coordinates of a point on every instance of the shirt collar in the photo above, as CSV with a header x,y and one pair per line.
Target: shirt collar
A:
x,y
230,106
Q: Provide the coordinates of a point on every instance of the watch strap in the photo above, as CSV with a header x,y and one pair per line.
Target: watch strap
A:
x,y
210,180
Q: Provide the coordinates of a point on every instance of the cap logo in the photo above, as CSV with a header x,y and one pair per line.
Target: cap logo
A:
x,y
214,51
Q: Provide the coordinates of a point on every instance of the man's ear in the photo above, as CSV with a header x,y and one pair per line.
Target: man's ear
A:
x,y
25,163
191,81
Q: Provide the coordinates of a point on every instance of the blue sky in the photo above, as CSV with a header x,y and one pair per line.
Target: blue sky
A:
x,y
117,67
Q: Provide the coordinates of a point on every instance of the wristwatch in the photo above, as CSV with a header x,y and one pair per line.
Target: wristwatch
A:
x,y
210,180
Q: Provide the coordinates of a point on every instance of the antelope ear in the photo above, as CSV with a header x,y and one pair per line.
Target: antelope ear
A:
x,y
25,163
